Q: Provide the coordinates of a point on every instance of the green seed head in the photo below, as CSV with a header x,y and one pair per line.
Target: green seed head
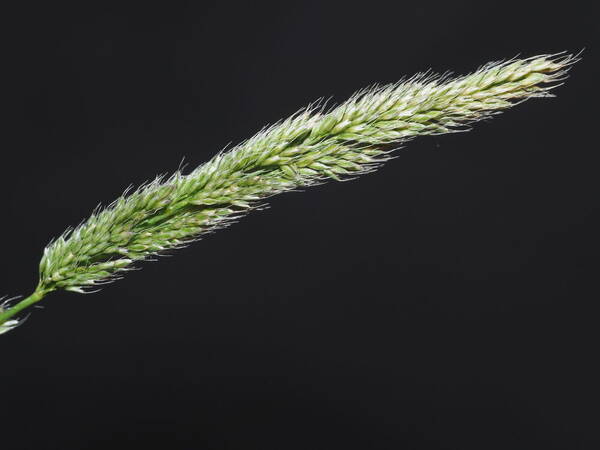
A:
x,y
311,147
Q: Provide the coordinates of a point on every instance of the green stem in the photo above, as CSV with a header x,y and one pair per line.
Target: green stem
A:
x,y
35,297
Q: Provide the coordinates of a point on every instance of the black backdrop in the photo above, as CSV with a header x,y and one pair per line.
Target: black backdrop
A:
x,y
448,301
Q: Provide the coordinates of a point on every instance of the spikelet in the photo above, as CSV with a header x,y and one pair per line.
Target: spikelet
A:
x,y
9,324
311,147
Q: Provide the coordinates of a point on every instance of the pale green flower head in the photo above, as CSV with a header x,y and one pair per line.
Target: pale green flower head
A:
x,y
313,146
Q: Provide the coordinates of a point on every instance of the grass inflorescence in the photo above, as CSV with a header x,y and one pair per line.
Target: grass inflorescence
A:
x,y
313,146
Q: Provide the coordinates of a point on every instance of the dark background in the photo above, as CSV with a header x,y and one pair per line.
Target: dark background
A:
x,y
449,301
